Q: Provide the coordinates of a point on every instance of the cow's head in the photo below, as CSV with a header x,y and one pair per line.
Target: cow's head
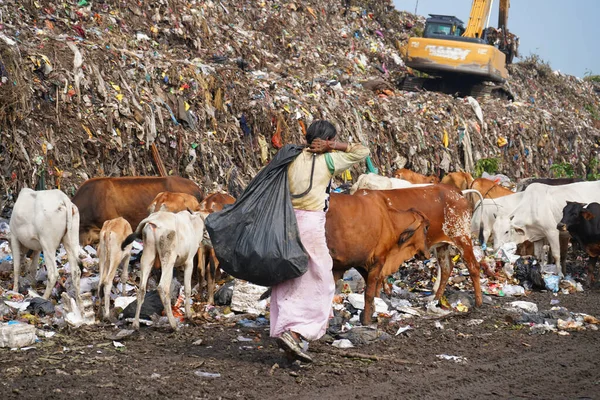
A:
x,y
573,214
506,229
413,239
89,236
433,179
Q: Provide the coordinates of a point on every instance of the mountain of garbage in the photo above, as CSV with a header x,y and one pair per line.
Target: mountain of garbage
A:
x,y
211,89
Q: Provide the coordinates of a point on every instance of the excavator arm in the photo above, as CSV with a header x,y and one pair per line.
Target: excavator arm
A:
x,y
503,14
480,12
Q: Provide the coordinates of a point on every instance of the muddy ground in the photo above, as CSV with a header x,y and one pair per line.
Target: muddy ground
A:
x,y
503,360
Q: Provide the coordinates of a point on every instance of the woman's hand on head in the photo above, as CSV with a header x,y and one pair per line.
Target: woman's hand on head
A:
x,y
319,146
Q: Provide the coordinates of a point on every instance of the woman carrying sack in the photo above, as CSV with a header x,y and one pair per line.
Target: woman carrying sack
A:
x,y
300,307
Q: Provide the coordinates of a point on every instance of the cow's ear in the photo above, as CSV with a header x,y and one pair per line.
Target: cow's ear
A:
x,y
587,215
519,231
407,234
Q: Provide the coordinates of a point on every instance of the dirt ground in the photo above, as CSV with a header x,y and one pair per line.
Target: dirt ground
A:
x,y
502,361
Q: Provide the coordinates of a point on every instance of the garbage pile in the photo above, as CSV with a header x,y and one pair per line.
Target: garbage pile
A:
x,y
211,89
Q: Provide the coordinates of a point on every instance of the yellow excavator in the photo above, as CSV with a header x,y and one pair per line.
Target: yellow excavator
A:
x,y
463,61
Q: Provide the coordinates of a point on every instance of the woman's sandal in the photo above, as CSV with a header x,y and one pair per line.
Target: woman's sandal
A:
x,y
292,346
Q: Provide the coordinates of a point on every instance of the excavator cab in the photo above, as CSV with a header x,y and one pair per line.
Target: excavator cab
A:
x,y
447,27
442,26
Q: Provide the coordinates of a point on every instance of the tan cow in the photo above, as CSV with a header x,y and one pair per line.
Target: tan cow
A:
x,y
414,177
111,256
174,202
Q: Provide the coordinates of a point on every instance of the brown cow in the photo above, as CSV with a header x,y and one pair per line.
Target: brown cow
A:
x,y
101,199
366,233
212,203
174,202
414,177
449,224
462,180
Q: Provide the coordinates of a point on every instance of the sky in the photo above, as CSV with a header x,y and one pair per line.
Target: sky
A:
x,y
563,33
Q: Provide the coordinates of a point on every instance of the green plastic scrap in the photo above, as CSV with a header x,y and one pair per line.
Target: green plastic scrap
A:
x,y
82,3
370,166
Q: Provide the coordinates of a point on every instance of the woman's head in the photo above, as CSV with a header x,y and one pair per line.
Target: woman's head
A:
x,y
320,129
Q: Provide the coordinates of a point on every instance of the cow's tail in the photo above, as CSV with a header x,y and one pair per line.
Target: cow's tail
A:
x,y
135,235
71,210
481,238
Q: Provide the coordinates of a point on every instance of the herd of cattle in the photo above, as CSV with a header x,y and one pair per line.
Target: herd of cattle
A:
x,y
382,223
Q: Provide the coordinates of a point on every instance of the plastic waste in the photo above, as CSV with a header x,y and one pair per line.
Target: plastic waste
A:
x,y
122,302
15,334
253,323
456,359
246,298
358,302
342,344
524,305
4,309
354,280
513,290
40,306
224,293
552,282
207,375
75,316
152,305
402,329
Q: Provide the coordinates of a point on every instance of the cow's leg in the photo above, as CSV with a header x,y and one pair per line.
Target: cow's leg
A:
x,y
187,287
211,275
103,279
201,266
373,278
554,242
538,251
109,279
146,264
591,269
125,272
164,290
444,271
464,244
338,274
50,261
16,253
563,238
33,266
75,270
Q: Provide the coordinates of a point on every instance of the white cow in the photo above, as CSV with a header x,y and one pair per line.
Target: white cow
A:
x,y
378,182
175,240
40,221
539,212
110,255
489,209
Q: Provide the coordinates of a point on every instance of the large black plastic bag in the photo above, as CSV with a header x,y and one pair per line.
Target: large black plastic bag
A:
x,y
257,238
